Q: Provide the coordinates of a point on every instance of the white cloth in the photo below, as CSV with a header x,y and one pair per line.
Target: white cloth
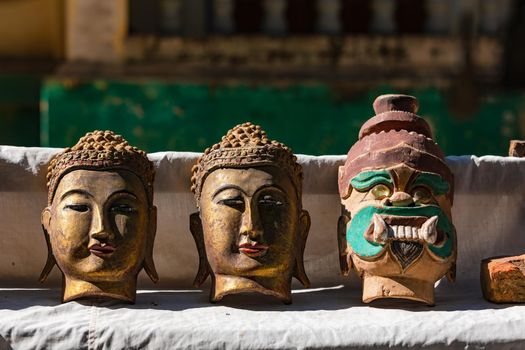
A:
x,y
488,212
329,318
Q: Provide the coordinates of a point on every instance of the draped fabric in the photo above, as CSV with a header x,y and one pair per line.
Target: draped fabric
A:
x,y
488,213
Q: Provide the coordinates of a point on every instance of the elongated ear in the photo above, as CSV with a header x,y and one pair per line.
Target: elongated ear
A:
x,y
304,228
198,235
50,261
149,264
345,263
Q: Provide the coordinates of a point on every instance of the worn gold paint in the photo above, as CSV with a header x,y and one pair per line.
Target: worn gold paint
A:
x,y
251,229
100,222
106,208
251,206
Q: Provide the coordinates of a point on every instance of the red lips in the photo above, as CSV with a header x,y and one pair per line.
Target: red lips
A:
x,y
253,250
102,249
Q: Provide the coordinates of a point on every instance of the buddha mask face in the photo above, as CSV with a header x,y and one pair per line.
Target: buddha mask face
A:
x,y
396,228
100,227
251,230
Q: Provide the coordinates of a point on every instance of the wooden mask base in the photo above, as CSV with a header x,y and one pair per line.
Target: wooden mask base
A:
x,y
378,287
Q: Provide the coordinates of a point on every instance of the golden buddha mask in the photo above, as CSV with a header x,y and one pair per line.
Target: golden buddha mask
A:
x,y
251,229
396,192
100,222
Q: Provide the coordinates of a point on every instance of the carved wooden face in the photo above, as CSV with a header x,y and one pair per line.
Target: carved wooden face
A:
x,y
99,225
396,231
251,222
401,209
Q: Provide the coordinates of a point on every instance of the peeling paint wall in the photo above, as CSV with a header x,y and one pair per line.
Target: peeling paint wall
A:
x,y
312,119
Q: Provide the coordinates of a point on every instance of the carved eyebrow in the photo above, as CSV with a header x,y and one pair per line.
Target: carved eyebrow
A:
x,y
272,186
76,191
434,181
368,179
123,192
226,187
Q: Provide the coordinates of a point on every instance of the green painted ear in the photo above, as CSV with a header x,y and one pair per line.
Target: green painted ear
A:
x,y
50,262
345,263
198,235
149,264
298,271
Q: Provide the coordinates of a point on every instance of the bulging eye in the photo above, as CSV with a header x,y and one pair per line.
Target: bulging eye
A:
x,y
235,203
122,209
270,201
381,191
422,195
81,208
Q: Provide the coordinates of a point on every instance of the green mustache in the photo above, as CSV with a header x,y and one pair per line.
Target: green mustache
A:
x,y
361,221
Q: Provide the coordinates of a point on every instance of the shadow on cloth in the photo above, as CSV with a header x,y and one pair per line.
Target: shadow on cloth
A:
x,y
23,298
303,300
4,344
329,298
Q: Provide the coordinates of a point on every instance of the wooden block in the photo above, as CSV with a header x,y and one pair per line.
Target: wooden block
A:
x,y
503,279
517,148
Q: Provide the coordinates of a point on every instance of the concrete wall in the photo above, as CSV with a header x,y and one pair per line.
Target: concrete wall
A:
x,y
96,30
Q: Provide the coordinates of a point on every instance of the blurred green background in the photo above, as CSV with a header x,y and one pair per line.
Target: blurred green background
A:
x,y
177,74
312,119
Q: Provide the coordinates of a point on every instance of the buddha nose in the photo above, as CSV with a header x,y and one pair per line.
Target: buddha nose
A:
x,y
99,226
400,199
251,224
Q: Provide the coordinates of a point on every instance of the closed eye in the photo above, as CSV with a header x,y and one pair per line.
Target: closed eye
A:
x,y
122,208
270,201
77,207
235,203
